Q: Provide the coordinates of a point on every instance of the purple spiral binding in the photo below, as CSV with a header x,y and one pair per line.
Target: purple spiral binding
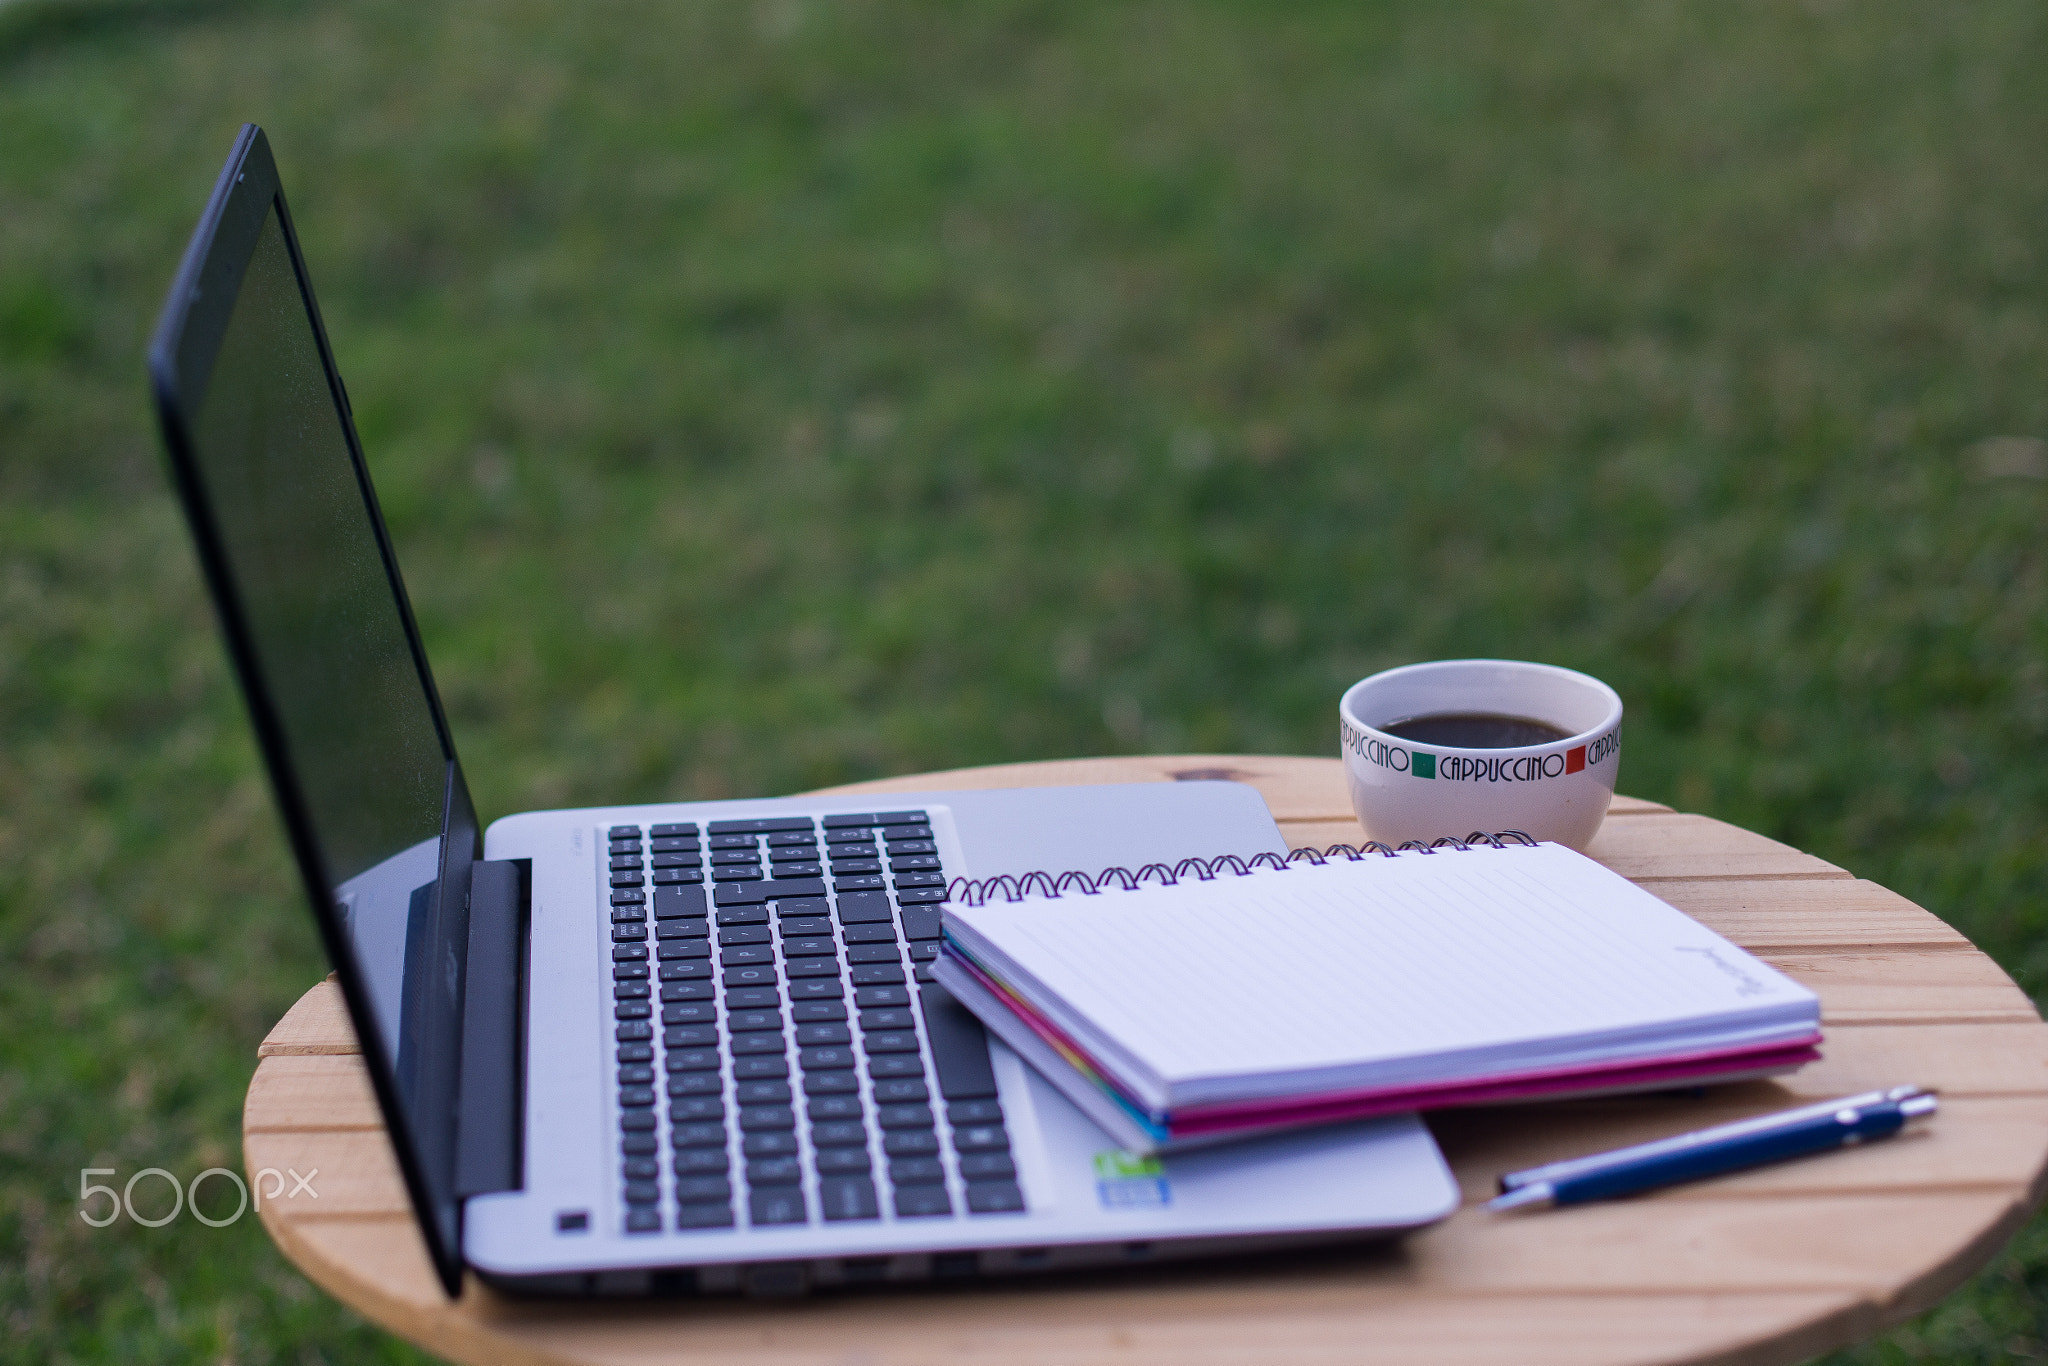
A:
x,y
979,892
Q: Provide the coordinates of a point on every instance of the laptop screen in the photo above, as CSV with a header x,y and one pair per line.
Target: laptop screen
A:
x,y
281,506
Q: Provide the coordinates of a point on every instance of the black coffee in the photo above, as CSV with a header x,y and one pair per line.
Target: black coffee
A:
x,y
1476,730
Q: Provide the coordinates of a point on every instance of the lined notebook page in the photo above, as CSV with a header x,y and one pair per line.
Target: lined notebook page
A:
x,y
1381,959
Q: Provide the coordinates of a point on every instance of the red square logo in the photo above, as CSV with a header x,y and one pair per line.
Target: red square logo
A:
x,y
1575,759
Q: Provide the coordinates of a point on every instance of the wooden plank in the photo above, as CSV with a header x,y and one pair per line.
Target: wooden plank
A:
x,y
313,1092
1795,913
1676,845
1899,986
1333,1308
349,1173
1957,1059
317,1023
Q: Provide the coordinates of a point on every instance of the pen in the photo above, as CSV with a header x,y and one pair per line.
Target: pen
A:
x,y
1710,1152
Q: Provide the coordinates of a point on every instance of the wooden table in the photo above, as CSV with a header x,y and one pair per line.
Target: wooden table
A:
x,y
1770,1266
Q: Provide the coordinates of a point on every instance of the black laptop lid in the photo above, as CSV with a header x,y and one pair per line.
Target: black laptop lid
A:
x,y
265,455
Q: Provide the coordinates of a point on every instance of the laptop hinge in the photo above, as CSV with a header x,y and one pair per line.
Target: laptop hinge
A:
x,y
491,1117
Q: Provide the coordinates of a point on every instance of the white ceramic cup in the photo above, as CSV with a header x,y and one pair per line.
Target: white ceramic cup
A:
x,y
1407,790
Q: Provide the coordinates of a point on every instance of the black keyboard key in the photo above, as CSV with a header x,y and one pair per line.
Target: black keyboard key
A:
x,y
905,881
776,1205
838,1134
626,972
741,1020
815,989
850,868
893,1066
746,934
687,963
959,1047
766,825
755,1118
691,1036
988,1167
902,818
913,863
810,1012
696,1084
688,1013
787,838
752,998
798,872
833,1107
843,1162
632,879
762,975
919,1202
643,1221
908,832
698,1135
693,1060
811,946
876,974
684,929
631,896
703,1216
734,873
633,1097
637,1121
994,1197
910,1143
875,932
921,922
925,976
858,882
676,860
623,934
678,828
803,906
633,1031
894,1018
640,1169
775,1171
981,1138
628,953
696,1110
625,863
729,843
769,1143
812,1035
975,1112
670,844
631,991
701,1162
805,926
803,852
849,819
890,1041
674,994
626,915
670,902
745,954
831,1084
899,1089
639,1144
742,915
926,952
762,1093
758,1041
896,848
625,832
760,1069
865,908
636,1052
796,969
640,1074
857,954
920,896
848,1197
676,877
701,1190
911,1116
682,951
916,1171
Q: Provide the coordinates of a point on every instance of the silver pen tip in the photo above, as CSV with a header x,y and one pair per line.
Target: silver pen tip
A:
x,y
1535,1193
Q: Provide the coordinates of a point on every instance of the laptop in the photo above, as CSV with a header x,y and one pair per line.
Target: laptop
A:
x,y
671,1048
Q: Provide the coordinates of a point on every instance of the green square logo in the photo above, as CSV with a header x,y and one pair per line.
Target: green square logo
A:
x,y
1422,765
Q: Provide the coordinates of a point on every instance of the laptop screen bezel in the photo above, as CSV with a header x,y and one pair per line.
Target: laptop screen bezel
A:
x,y
182,354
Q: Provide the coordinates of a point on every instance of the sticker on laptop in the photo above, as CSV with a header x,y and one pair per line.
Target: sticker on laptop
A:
x,y
1127,1180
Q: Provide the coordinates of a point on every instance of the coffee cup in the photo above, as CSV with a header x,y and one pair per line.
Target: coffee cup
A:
x,y
1462,746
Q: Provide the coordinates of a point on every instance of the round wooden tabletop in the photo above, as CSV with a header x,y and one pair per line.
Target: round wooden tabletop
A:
x,y
1770,1266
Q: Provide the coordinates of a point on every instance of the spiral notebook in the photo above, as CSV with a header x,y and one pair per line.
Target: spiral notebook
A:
x,y
1221,999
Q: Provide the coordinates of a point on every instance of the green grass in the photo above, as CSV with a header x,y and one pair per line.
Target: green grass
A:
x,y
768,396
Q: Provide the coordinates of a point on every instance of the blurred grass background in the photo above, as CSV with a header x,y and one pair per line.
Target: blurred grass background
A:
x,y
776,394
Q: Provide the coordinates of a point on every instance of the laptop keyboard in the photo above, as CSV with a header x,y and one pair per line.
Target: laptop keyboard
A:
x,y
783,1053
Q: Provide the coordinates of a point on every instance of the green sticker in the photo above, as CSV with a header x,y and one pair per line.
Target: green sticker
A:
x,y
1118,1165
1423,765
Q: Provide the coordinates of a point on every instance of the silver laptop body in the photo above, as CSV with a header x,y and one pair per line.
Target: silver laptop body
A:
x,y
690,1046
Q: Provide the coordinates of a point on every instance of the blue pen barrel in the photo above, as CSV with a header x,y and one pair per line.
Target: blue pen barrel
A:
x,y
1820,1134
